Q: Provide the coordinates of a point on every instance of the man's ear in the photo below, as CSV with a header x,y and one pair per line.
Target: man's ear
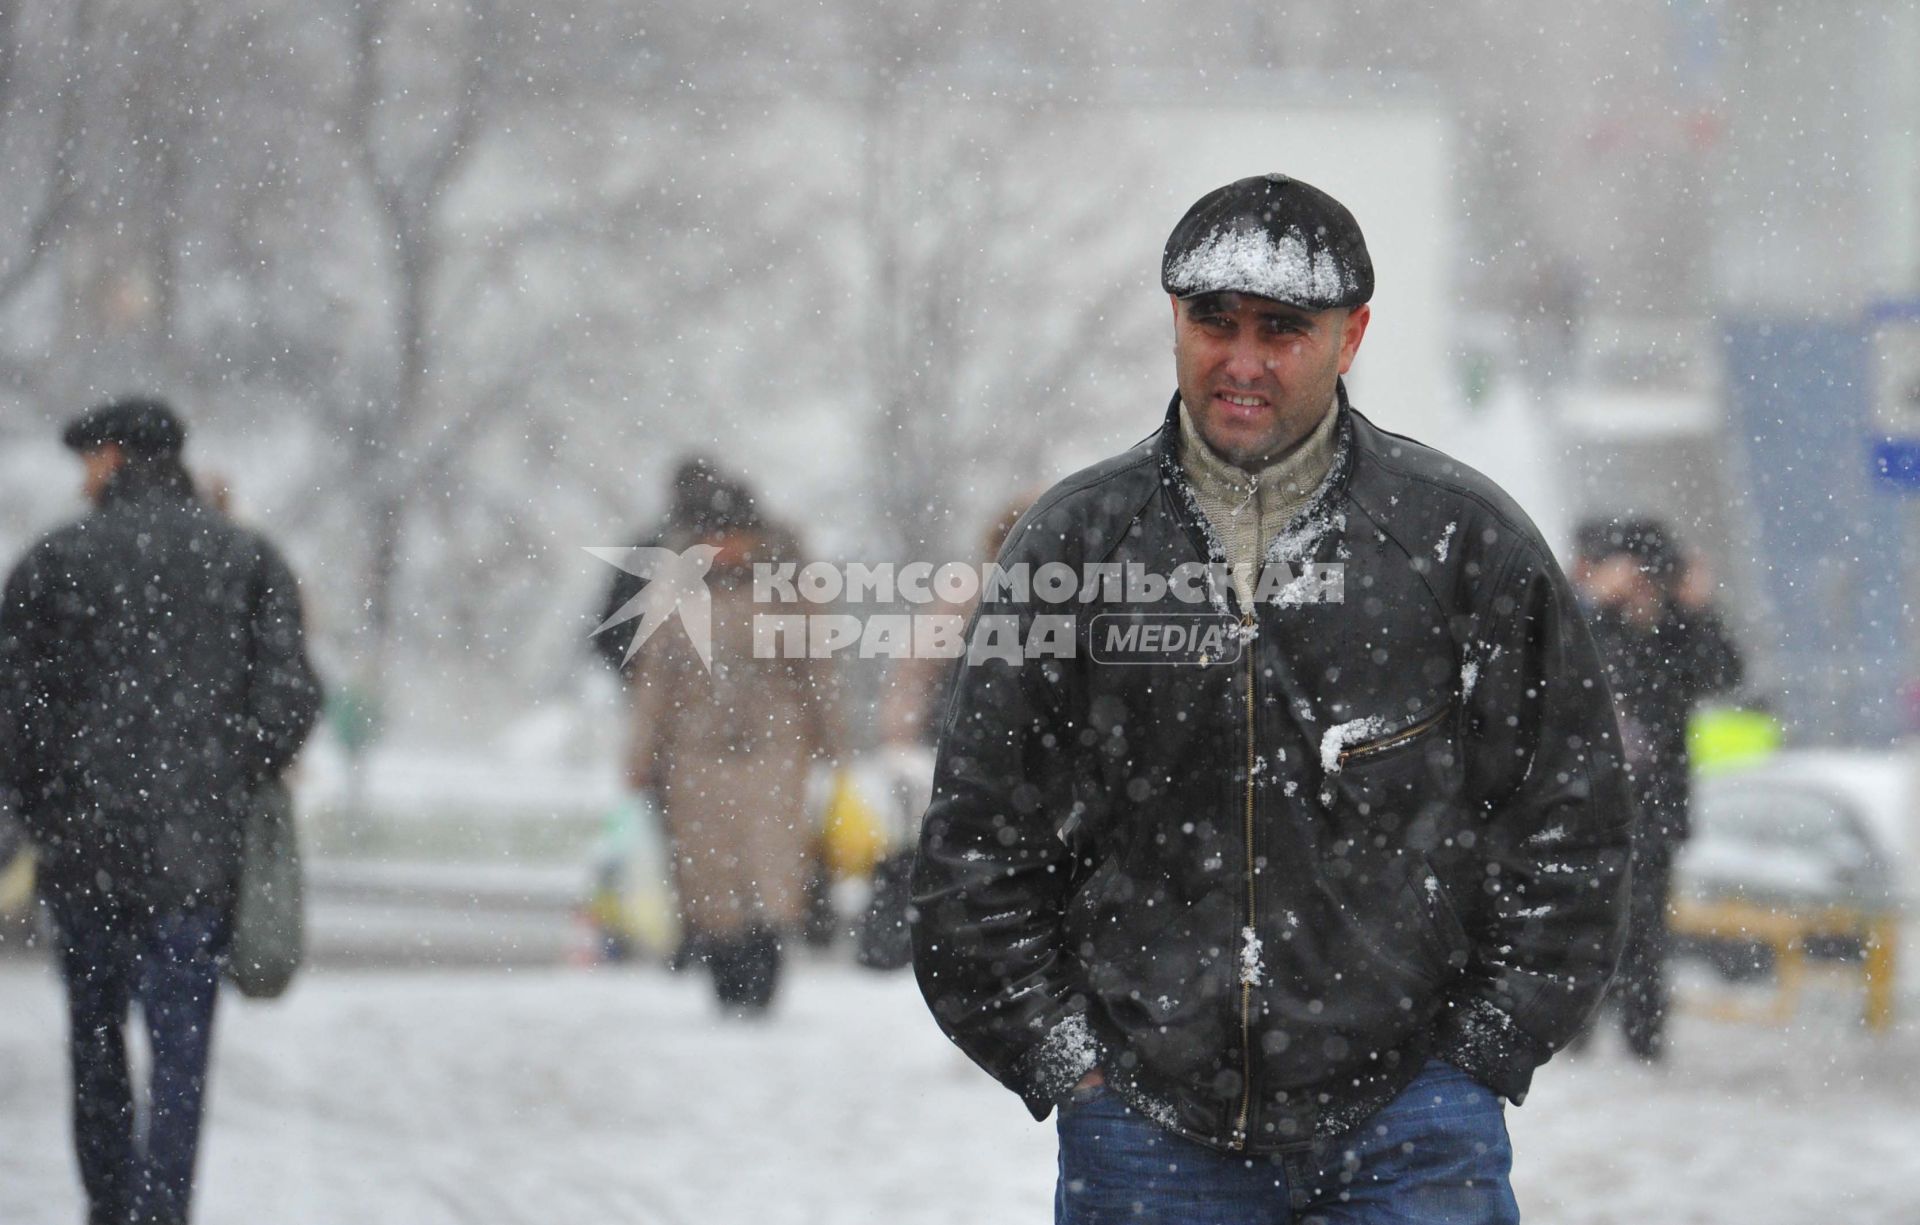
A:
x,y
1357,320
1174,302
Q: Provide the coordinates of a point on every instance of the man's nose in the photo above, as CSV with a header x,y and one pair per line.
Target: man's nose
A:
x,y
1246,359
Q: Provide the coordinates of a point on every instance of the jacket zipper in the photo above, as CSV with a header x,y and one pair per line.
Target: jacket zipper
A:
x,y
1387,742
1246,987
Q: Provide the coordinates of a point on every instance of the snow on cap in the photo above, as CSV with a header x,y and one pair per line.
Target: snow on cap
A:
x,y
1273,237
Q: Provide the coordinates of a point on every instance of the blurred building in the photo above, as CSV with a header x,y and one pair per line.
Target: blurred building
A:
x,y
1816,262
1771,408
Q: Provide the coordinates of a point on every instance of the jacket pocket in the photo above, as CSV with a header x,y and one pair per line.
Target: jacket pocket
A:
x,y
1451,940
1079,1098
1086,901
1391,778
1399,740
1357,955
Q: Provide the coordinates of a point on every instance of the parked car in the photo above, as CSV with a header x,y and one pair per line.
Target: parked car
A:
x,y
1800,833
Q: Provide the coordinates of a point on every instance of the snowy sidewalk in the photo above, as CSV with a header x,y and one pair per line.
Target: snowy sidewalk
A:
x,y
618,1098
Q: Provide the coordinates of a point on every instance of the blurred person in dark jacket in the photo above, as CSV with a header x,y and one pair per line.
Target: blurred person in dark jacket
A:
x,y
153,672
1665,649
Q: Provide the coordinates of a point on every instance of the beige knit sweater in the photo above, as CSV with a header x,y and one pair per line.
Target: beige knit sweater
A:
x,y
1248,509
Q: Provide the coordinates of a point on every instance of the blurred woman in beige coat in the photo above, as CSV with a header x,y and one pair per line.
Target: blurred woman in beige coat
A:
x,y
726,753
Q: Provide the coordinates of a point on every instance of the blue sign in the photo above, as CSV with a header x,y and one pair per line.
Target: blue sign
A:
x,y
1896,461
1893,327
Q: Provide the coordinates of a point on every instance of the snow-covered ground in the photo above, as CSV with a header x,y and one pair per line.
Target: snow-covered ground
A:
x,y
370,1097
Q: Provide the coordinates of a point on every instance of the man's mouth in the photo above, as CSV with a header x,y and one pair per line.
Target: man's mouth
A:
x,y
1242,401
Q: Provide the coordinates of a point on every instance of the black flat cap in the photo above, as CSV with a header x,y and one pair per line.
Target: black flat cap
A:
x,y
139,425
1273,237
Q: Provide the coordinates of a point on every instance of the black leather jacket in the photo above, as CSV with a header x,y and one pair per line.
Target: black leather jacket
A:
x,y
1260,886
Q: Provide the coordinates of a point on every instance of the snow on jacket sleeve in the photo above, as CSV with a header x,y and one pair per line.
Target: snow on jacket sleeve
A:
x,y
995,870
1544,767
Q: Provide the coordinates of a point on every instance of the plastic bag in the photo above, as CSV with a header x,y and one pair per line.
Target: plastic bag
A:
x,y
269,940
852,836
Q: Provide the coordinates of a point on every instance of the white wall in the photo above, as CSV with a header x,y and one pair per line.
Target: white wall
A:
x,y
1391,164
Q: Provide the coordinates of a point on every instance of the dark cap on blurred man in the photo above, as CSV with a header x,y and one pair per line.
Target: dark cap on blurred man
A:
x,y
139,425
1647,541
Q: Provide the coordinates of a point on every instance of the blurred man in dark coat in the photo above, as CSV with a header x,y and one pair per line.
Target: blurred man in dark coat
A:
x,y
1664,650
152,673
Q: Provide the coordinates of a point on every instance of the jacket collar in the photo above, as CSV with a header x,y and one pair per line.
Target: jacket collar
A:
x,y
1166,445
1284,483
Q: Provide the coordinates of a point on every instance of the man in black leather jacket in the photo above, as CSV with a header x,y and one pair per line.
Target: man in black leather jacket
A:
x,y
1292,883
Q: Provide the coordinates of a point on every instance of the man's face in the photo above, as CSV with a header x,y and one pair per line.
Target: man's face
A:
x,y
101,463
1617,582
1257,375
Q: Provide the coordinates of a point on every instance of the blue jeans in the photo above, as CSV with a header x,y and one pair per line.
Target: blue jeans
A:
x,y
1436,1155
112,953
